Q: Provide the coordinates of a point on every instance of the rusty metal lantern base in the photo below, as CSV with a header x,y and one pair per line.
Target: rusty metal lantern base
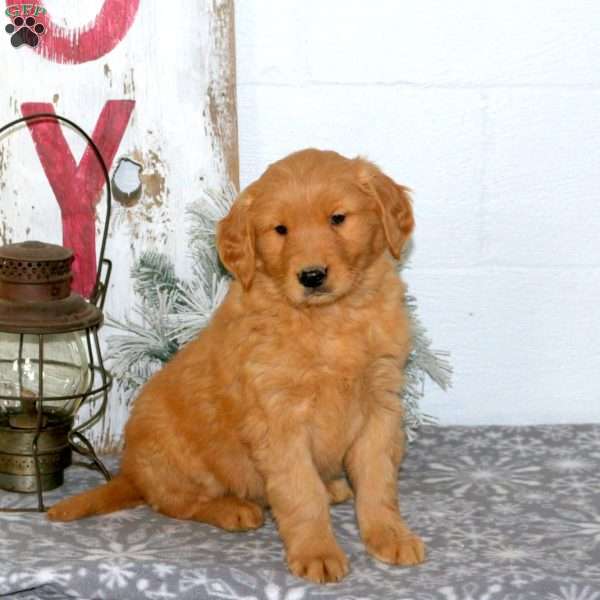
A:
x,y
17,462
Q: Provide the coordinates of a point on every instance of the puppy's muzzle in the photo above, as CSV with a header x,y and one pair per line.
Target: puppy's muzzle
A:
x,y
313,276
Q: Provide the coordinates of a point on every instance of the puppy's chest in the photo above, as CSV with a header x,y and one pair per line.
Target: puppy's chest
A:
x,y
347,345
315,377
337,346
324,376
320,367
331,349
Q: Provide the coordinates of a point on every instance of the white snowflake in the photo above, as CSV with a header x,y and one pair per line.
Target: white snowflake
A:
x,y
154,547
590,438
162,569
116,574
472,535
571,463
482,474
522,444
191,578
40,576
581,524
535,497
511,553
162,593
574,485
557,433
258,551
574,592
274,592
471,591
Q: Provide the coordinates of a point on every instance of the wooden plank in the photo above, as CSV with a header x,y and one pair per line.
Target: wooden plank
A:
x,y
177,73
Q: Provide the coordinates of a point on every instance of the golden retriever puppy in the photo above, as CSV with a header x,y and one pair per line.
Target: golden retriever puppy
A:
x,y
295,380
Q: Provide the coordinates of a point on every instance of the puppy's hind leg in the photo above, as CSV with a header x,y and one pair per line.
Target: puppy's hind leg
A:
x,y
227,512
183,498
230,513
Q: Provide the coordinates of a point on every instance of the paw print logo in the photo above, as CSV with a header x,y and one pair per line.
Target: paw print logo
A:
x,y
25,31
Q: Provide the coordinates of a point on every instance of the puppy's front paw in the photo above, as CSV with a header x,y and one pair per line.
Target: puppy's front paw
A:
x,y
394,543
326,565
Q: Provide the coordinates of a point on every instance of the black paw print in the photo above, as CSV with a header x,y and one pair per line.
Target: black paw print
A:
x,y
25,31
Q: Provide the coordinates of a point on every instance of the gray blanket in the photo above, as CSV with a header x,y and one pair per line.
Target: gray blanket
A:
x,y
509,513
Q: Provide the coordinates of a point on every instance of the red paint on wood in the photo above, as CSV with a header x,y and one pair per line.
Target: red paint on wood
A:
x,y
74,46
77,187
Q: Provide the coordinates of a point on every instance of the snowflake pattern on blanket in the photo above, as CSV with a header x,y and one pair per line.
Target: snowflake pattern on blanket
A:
x,y
508,513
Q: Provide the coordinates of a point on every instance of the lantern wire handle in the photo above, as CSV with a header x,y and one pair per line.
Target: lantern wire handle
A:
x,y
99,291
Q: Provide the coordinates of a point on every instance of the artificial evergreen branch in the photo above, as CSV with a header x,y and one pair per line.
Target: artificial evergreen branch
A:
x,y
154,274
422,362
146,342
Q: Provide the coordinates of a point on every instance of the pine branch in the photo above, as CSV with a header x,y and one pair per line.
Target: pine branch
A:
x,y
205,213
154,274
434,363
146,343
422,362
199,305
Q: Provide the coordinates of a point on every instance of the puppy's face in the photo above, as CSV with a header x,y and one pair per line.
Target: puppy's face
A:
x,y
314,223
315,239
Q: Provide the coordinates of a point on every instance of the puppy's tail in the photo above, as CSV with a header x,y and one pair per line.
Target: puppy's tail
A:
x,y
118,493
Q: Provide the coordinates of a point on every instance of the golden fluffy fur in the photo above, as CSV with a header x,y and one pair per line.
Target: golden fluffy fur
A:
x,y
289,387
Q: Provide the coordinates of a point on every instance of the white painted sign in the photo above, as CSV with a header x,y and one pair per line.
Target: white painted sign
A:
x,y
155,89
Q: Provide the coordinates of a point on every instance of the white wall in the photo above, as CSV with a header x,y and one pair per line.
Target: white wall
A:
x,y
491,113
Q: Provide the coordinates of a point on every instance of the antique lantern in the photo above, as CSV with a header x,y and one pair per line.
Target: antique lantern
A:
x,y
50,357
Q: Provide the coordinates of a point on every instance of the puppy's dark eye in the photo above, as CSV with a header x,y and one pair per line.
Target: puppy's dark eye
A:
x,y
337,219
281,229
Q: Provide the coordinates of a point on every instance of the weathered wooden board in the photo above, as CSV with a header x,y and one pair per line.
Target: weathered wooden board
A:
x,y
154,85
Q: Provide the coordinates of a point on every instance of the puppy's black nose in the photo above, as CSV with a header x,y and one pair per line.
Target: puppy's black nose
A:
x,y
312,277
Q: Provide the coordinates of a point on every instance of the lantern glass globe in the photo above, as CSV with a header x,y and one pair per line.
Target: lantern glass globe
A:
x,y
66,374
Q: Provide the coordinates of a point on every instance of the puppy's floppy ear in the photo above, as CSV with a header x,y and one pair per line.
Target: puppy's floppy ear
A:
x,y
393,204
235,241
